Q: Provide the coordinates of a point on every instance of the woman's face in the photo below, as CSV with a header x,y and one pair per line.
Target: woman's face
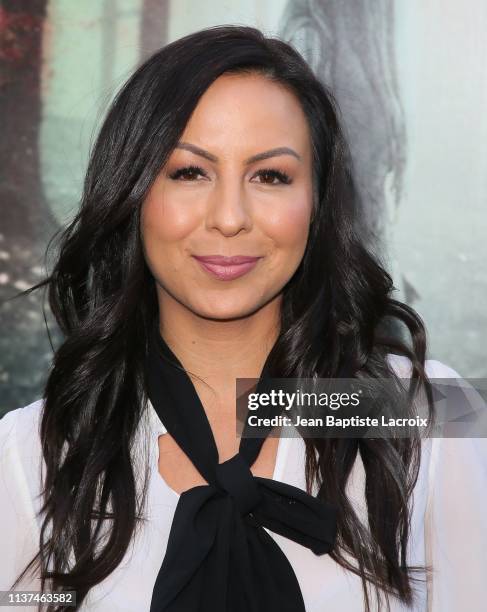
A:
x,y
212,198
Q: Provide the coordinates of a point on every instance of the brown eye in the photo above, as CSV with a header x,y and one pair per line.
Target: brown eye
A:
x,y
188,172
271,175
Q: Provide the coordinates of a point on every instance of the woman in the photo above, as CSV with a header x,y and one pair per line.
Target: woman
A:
x,y
215,240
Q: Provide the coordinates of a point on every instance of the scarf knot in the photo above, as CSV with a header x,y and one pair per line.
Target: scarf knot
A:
x,y
235,478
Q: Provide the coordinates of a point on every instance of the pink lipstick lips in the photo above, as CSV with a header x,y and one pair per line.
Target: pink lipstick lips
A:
x,y
227,268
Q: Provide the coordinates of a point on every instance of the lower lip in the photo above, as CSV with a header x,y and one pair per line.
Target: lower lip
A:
x,y
228,272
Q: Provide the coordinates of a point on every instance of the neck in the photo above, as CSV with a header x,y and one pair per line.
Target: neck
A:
x,y
219,351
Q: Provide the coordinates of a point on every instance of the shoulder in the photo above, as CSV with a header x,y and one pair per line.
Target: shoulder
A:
x,y
20,427
20,487
456,463
20,455
434,369
454,458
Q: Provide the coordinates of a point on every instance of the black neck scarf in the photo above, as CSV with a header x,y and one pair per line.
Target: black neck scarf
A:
x,y
219,558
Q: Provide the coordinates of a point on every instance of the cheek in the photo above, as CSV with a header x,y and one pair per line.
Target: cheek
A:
x,y
165,224
163,220
288,226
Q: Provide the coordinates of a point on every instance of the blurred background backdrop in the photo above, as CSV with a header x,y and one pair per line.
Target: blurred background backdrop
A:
x,y
410,77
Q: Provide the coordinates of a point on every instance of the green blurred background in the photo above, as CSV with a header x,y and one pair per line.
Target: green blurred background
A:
x,y
411,80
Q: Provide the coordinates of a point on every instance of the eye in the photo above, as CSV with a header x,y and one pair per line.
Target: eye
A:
x,y
270,175
188,171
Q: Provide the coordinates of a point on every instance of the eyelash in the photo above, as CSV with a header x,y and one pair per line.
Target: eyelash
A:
x,y
284,178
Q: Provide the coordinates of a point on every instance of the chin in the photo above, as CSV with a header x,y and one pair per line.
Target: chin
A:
x,y
222,311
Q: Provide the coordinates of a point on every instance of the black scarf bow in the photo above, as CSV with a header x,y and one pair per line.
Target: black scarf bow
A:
x,y
219,558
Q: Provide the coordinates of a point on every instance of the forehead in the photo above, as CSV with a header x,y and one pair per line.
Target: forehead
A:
x,y
239,112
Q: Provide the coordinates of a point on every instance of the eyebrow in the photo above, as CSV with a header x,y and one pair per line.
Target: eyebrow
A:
x,y
254,158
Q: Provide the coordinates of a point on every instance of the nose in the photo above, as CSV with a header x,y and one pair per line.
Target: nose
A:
x,y
229,208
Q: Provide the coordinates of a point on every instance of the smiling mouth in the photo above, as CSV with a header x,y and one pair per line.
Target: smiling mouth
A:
x,y
227,268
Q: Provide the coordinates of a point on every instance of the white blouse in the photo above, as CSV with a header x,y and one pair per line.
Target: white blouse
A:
x,y
448,523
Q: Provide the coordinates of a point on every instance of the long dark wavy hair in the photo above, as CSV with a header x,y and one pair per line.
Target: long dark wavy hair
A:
x,y
337,308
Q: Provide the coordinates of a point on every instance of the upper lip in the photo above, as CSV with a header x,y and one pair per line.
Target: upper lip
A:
x,y
225,261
